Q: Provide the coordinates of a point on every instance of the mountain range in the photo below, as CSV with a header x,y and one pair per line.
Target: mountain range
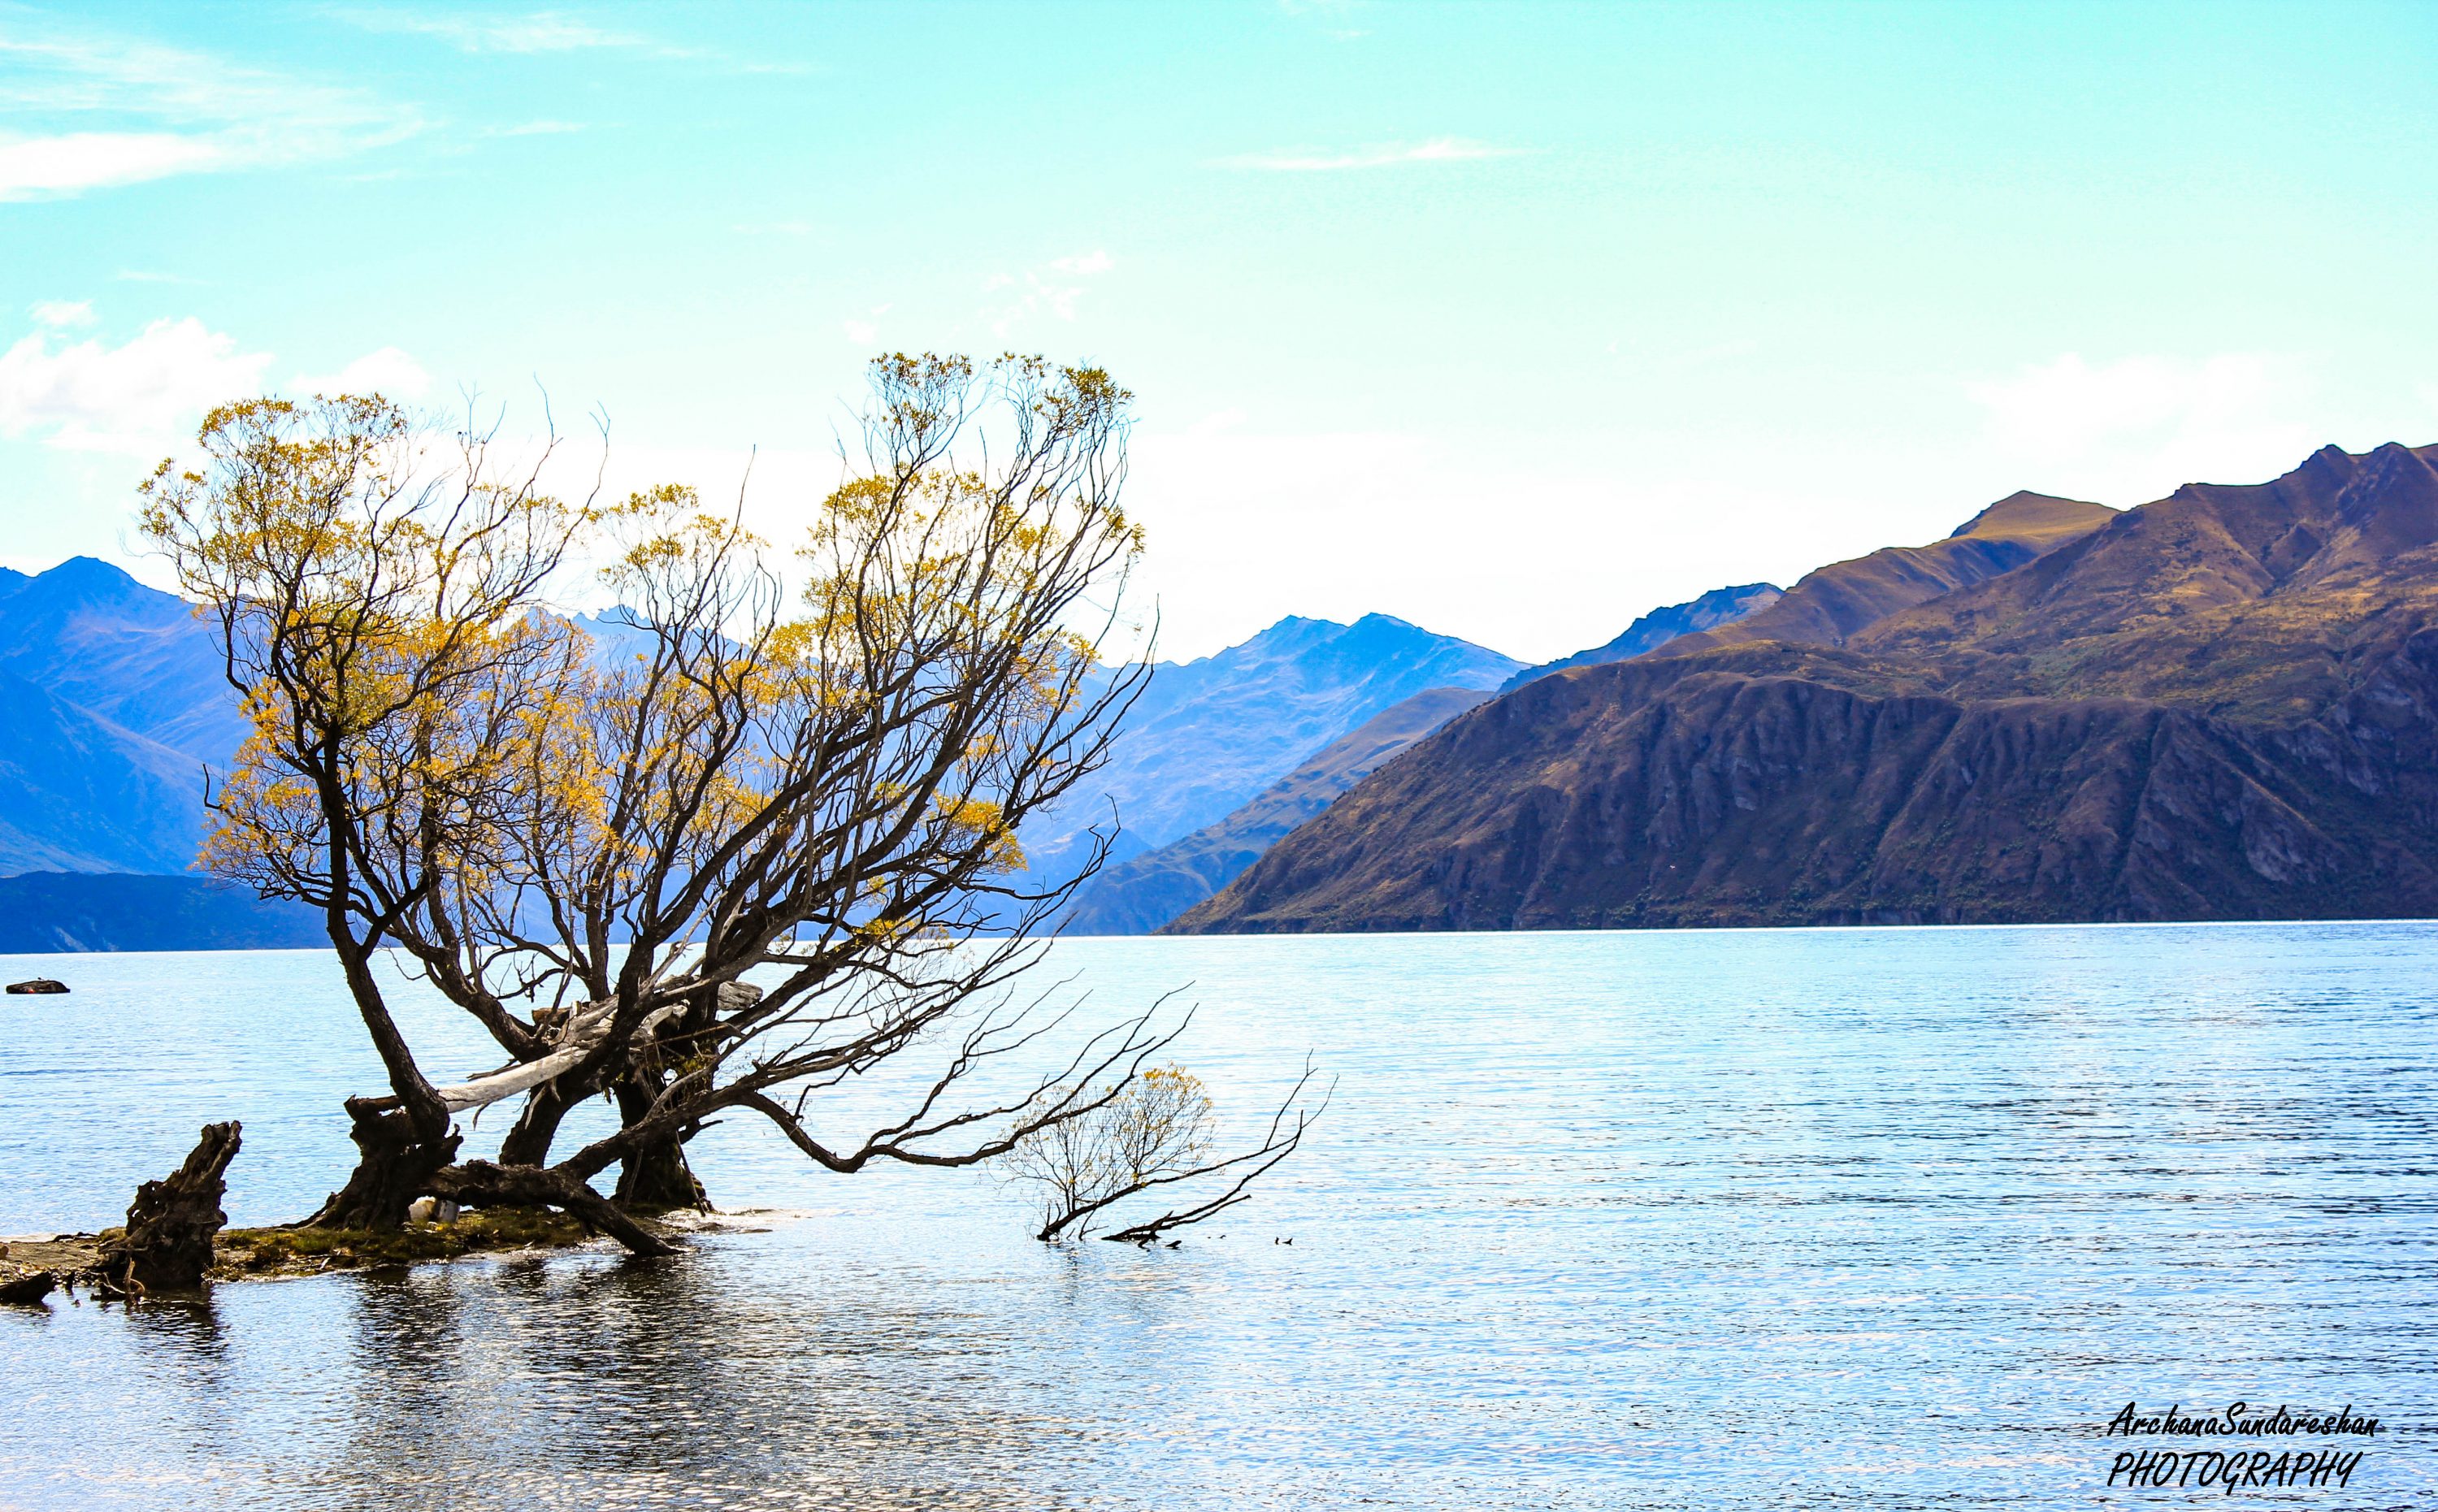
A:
x,y
112,702
1139,894
41,912
2222,704
2219,705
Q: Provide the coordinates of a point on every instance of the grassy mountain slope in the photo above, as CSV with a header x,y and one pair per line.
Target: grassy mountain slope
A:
x,y
1832,602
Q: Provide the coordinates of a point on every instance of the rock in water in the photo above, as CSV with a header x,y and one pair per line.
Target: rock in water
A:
x,y
168,1242
23,1284
40,984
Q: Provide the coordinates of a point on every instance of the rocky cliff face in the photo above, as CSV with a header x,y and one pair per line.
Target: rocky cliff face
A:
x,y
2221,705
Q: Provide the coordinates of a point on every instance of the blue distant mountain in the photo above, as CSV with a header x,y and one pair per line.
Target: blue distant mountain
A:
x,y
1150,881
46,911
112,700
143,659
1142,892
1208,735
1721,605
81,794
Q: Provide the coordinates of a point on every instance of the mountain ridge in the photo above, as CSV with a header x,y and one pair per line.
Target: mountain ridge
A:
x,y
146,661
1720,606
2224,703
1830,602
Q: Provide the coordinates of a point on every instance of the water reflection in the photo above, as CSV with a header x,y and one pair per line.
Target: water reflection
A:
x,y
612,1382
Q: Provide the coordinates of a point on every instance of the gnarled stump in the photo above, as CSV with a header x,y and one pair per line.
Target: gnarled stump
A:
x,y
168,1242
393,1171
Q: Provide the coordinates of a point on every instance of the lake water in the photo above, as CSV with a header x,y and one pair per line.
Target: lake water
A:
x,y
1770,1219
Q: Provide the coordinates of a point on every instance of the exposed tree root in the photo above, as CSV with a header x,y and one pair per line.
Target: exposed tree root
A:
x,y
480,1184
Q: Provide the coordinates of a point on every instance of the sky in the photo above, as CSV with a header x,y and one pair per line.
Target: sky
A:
x,y
1512,321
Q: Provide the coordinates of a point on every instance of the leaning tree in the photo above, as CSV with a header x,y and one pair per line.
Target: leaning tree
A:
x,y
589,840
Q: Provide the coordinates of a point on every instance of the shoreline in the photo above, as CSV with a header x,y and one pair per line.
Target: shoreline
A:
x,y
277,1254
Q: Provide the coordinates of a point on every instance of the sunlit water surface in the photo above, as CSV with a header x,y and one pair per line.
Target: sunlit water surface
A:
x,y
1721,1219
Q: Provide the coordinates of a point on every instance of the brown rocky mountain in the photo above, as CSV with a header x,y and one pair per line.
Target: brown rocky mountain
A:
x,y
2222,704
1834,602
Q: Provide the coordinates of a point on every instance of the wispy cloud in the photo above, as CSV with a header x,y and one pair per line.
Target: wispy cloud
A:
x,y
534,129
82,111
541,31
2071,405
1050,291
133,397
538,32
39,168
1380,155
142,396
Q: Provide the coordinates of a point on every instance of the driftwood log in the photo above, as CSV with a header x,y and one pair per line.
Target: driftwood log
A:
x,y
166,1246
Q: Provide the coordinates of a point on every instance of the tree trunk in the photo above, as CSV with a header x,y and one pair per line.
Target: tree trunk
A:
x,y
655,1178
166,1246
394,1169
529,1138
